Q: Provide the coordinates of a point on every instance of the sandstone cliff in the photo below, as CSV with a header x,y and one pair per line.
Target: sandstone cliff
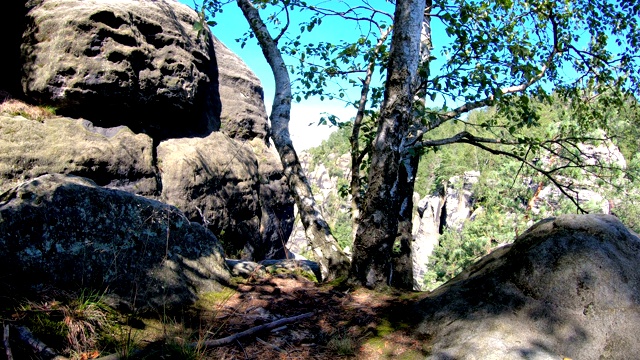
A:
x,y
132,80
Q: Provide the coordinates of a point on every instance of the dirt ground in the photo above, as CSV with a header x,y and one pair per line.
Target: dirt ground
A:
x,y
359,324
337,323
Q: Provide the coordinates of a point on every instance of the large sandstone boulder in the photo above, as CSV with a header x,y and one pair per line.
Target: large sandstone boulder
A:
x,y
276,202
567,287
140,74
113,157
243,114
122,62
65,231
215,180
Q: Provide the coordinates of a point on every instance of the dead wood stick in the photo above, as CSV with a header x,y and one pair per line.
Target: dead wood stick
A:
x,y
7,346
38,346
253,330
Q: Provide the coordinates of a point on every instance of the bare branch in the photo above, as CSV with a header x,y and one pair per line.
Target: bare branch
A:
x,y
251,331
490,100
548,174
286,26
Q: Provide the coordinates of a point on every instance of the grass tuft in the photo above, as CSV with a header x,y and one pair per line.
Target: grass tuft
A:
x,y
18,108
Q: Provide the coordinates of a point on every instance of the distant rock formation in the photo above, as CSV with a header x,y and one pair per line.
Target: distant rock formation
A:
x,y
566,288
65,231
455,205
325,190
138,76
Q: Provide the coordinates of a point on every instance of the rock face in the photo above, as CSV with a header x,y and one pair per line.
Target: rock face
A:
x,y
243,114
139,74
122,62
223,176
426,233
567,287
67,232
113,157
459,199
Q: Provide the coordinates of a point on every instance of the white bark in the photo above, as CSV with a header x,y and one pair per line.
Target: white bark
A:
x,y
333,262
372,258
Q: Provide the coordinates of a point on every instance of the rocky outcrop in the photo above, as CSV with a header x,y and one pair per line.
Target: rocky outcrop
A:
x,y
67,232
568,287
243,114
139,74
426,233
221,190
133,63
113,157
459,200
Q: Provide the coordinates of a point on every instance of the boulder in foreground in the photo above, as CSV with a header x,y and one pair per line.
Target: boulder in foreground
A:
x,y
567,287
64,231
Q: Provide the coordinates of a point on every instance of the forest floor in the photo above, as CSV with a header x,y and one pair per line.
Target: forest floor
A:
x,y
322,321
360,324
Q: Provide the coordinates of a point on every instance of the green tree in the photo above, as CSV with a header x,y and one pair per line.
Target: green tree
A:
x,y
579,54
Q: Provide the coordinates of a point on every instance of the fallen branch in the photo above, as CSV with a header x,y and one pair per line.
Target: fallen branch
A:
x,y
38,346
117,356
7,346
253,330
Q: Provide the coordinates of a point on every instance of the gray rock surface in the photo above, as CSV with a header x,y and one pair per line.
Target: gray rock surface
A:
x,y
459,199
138,65
122,62
243,114
567,287
215,180
426,235
276,202
65,231
114,157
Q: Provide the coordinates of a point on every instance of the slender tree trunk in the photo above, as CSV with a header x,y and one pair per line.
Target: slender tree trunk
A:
x,y
333,262
357,155
403,257
372,264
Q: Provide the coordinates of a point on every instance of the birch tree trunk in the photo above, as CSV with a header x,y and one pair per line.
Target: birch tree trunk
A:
x,y
333,262
410,159
372,264
357,155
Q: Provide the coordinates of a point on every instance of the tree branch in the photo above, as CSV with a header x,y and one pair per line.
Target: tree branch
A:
x,y
38,346
251,331
7,346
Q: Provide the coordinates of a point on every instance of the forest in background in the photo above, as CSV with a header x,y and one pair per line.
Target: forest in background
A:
x,y
501,196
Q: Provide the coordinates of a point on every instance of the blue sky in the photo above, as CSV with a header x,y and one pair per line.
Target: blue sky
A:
x,y
232,25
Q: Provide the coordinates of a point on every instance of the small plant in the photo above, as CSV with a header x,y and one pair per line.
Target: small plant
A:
x,y
19,108
342,343
74,323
